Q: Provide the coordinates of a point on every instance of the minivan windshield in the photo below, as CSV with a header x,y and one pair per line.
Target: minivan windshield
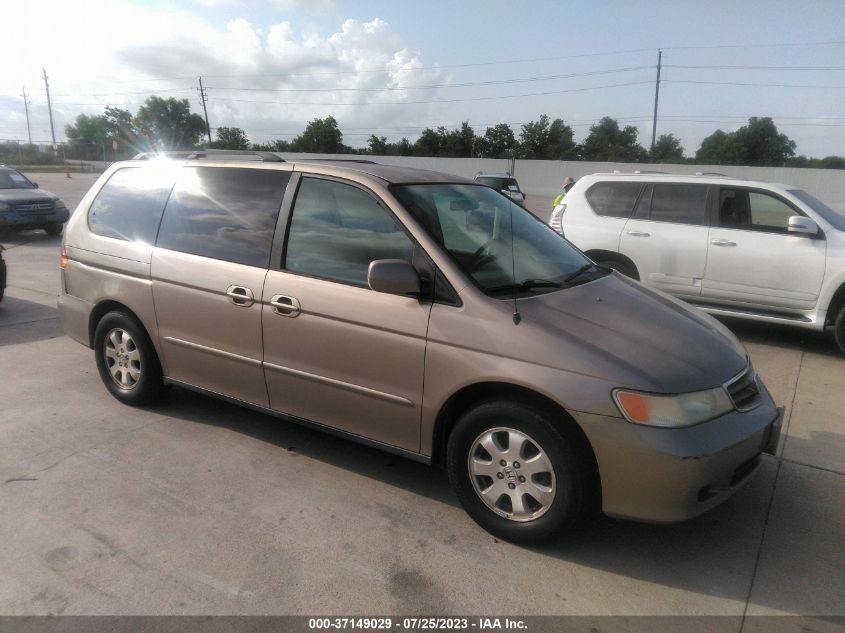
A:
x,y
836,218
501,246
11,179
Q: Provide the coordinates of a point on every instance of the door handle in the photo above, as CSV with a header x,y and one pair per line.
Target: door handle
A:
x,y
722,242
639,233
240,296
285,305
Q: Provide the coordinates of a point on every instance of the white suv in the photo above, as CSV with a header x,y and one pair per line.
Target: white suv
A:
x,y
741,248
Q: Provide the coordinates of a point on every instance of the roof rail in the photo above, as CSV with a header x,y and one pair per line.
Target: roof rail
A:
x,y
649,171
337,160
711,173
220,154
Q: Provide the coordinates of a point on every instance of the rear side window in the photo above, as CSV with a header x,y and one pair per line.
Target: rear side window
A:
x,y
224,213
129,205
336,230
678,203
614,199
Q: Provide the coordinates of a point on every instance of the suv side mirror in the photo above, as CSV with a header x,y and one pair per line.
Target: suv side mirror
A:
x,y
801,225
394,277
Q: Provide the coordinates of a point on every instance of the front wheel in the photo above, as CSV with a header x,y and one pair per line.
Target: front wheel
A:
x,y
515,473
126,359
53,229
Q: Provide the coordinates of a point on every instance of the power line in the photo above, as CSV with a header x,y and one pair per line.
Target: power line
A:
x,y
737,83
747,67
493,98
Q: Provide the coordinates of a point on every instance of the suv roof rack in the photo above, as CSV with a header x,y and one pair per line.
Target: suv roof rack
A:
x,y
224,154
711,173
337,160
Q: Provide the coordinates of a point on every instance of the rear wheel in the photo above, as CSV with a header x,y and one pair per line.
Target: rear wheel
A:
x,y
839,329
126,359
515,473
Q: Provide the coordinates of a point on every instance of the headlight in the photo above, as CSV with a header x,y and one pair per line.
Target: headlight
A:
x,y
672,411
5,207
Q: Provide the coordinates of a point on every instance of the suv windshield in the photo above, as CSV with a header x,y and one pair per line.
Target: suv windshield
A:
x,y
499,182
500,245
11,179
836,218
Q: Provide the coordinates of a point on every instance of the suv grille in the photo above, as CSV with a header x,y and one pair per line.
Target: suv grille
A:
x,y
33,206
744,391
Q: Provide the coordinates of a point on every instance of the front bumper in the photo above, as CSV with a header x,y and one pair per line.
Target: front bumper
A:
x,y
669,475
31,220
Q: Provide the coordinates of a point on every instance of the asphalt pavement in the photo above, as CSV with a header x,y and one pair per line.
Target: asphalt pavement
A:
x,y
196,506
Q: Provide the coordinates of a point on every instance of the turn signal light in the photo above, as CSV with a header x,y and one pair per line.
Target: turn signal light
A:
x,y
63,257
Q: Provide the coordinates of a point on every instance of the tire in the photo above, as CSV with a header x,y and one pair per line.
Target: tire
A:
x,y
53,229
621,266
560,489
126,359
839,329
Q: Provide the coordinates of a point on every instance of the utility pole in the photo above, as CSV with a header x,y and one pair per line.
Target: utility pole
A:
x,y
26,109
49,106
204,97
656,97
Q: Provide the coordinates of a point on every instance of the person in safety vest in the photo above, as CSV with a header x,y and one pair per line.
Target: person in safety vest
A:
x,y
567,185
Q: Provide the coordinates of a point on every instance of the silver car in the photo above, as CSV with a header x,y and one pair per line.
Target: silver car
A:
x,y
421,313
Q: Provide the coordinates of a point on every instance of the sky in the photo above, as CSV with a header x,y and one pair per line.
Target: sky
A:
x,y
392,68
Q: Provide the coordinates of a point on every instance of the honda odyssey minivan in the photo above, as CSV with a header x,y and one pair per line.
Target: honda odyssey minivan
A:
x,y
421,313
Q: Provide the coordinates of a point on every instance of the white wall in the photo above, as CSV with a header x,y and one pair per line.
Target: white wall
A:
x,y
544,177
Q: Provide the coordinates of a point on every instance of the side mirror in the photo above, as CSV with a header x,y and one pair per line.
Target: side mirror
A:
x,y
393,277
803,226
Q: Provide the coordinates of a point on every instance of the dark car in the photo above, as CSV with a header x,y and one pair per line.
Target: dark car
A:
x,y
24,206
2,274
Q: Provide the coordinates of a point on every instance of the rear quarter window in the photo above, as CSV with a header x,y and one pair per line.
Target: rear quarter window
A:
x,y
130,204
613,199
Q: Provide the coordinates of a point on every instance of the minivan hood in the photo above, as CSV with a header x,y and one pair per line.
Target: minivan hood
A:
x,y
633,336
13,195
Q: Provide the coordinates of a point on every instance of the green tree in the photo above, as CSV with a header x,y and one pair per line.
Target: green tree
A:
x,y
230,138
545,139
607,142
320,136
460,142
667,149
378,145
711,150
757,143
87,136
498,142
168,124
431,142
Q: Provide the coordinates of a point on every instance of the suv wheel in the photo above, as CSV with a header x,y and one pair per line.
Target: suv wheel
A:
x,y
839,329
126,359
621,266
53,229
514,473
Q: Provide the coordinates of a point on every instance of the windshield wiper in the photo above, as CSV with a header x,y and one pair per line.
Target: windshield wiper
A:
x,y
585,268
527,284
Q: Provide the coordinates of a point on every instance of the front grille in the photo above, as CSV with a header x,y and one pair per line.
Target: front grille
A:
x,y
33,206
744,391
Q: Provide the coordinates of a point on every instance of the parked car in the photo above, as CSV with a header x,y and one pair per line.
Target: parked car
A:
x,y
741,248
24,206
504,183
421,313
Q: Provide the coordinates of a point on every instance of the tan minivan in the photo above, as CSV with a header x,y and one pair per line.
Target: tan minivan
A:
x,y
421,313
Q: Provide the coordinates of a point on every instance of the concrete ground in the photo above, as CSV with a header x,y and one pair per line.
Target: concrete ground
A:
x,y
196,506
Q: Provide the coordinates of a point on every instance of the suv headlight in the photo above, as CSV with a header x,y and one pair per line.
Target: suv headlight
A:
x,y
672,411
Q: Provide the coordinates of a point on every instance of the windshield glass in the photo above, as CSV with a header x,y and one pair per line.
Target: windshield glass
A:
x,y
836,218
498,182
11,179
500,245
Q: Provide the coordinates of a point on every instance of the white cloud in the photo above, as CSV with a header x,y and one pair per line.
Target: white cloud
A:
x,y
124,53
